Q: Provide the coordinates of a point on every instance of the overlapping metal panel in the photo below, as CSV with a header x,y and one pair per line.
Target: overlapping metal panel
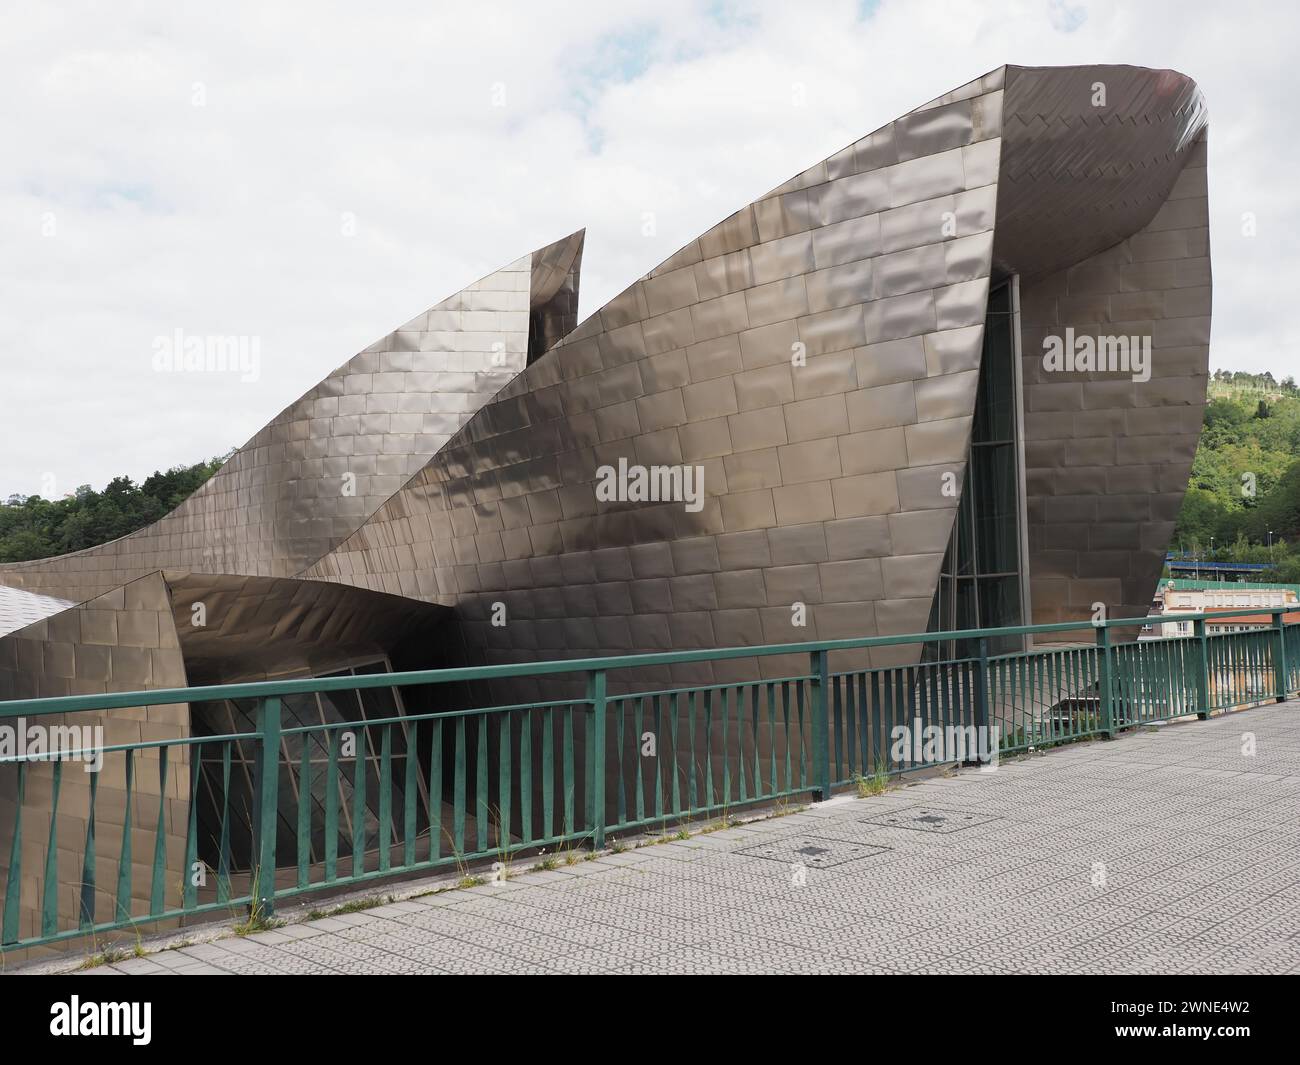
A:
x,y
815,356
326,462
124,640
823,479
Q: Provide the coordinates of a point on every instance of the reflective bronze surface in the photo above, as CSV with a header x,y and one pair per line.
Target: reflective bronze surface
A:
x,y
815,355
327,461
124,640
824,481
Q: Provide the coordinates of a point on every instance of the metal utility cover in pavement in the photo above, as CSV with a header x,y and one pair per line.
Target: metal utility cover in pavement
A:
x,y
930,819
816,852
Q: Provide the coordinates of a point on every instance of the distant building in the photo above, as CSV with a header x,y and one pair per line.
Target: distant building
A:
x,y
1185,597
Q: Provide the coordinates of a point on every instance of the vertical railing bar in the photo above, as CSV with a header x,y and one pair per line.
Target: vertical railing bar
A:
x,y
304,810
359,787
435,790
410,792
333,739
86,916
505,781
223,844
638,776
770,697
385,834
708,749
123,913
596,696
481,812
726,747
157,888
50,898
674,765
620,712
569,782
458,795
692,793
658,763
189,885
14,874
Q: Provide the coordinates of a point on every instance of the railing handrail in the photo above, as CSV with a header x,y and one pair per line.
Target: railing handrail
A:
x,y
260,689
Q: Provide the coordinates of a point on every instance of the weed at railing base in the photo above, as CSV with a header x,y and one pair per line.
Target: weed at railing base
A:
x,y
107,956
256,922
258,918
356,905
873,784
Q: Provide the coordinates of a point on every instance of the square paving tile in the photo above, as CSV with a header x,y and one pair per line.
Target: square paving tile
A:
x,y
942,820
813,852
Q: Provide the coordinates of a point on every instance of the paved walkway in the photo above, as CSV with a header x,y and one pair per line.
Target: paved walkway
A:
x,y
1166,851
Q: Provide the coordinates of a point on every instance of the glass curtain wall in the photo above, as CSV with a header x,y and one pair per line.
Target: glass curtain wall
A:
x,y
229,785
980,579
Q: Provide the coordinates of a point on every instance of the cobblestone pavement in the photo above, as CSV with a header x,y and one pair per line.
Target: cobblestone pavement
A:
x,y
1166,851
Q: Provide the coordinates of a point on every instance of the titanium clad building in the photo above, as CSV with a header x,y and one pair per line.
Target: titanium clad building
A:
x,y
951,376
856,363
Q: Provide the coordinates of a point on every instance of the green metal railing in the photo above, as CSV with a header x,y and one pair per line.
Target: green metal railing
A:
x,y
163,831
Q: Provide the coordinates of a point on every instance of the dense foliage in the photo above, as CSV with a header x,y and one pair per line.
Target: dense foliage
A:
x,y
1244,492
1225,382
32,527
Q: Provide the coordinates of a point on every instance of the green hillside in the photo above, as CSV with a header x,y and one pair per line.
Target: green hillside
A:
x,y
1245,481
32,527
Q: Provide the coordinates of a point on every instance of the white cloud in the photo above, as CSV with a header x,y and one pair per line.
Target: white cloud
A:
x,y
227,218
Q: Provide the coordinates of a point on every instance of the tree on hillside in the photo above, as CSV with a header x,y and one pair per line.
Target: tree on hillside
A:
x,y
32,527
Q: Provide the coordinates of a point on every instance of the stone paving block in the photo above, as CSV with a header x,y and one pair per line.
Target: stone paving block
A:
x,y
271,936
327,924
300,931
204,951
138,966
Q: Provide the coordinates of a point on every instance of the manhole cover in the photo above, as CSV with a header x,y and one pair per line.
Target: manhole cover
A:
x,y
931,819
814,852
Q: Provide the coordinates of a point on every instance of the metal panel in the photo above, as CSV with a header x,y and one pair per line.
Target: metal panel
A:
x,y
815,354
327,461
121,641
777,314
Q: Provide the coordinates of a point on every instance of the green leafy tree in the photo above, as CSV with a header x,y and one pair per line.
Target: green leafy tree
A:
x,y
1245,480
32,527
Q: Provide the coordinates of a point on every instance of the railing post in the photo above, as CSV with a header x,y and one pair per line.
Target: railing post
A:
x,y
1106,680
1280,671
596,800
1202,669
268,803
981,689
821,733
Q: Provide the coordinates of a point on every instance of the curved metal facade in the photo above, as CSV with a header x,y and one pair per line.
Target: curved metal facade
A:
x,y
816,355
328,460
824,480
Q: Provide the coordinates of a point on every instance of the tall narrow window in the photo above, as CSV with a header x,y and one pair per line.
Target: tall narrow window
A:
x,y
980,578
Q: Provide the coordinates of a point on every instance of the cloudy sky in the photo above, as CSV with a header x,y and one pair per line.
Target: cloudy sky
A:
x,y
314,174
